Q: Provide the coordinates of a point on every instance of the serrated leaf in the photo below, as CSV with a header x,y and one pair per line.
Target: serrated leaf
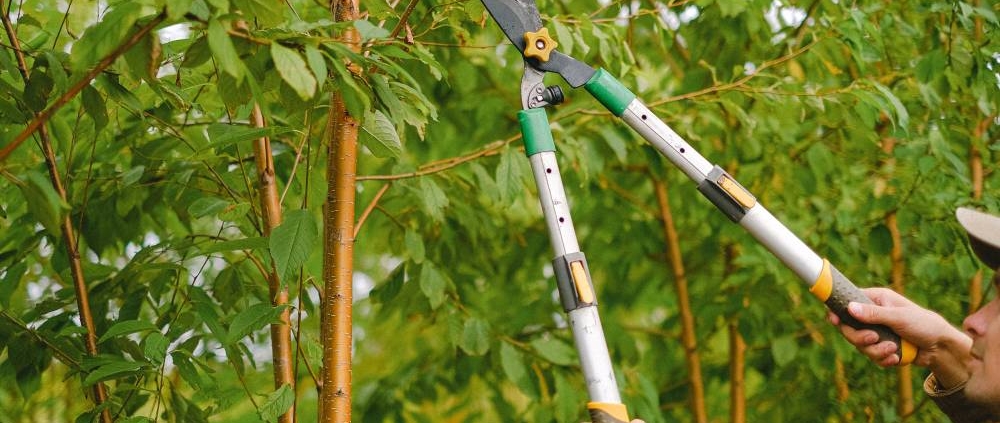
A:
x,y
113,370
432,284
292,241
386,292
226,57
475,337
155,348
414,246
902,117
207,206
293,70
266,12
255,243
43,202
508,176
369,31
434,199
253,318
102,38
127,327
554,350
317,63
277,403
784,350
512,363
379,135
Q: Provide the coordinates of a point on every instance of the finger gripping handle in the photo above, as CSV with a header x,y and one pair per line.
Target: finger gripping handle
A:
x,y
836,291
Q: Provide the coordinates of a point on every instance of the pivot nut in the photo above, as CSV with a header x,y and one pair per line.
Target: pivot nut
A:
x,y
538,45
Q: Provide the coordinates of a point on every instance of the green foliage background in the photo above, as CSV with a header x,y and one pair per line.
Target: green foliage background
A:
x,y
462,323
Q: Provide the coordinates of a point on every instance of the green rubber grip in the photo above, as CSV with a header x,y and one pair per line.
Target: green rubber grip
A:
x,y
611,93
839,291
535,131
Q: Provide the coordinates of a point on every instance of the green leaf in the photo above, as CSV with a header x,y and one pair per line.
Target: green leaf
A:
x,y
226,57
112,370
207,206
255,243
879,240
10,282
253,318
508,176
512,363
265,12
732,7
155,348
784,350
379,135
385,293
368,31
414,246
224,135
43,202
277,403
902,117
102,38
293,70
434,199
127,327
555,351
432,284
143,59
475,337
317,63
293,240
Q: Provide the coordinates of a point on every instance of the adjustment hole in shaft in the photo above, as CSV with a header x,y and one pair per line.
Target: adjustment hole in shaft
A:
x,y
562,219
643,117
682,150
548,170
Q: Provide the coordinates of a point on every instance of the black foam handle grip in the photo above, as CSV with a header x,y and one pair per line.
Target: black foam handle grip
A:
x,y
841,292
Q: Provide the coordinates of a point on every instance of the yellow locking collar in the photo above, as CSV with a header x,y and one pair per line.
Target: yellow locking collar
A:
x,y
539,45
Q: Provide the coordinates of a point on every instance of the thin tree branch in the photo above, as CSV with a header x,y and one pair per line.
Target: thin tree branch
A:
x,y
403,18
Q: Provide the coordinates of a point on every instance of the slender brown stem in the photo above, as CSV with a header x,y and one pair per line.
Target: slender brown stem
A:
x,y
66,225
338,245
281,334
976,169
42,117
370,208
688,338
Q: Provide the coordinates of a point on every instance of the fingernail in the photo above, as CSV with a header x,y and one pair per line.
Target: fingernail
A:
x,y
854,308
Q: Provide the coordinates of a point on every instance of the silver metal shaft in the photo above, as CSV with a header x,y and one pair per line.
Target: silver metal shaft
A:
x,y
588,334
767,229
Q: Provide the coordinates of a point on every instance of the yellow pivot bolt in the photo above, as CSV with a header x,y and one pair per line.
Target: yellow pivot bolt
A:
x,y
539,44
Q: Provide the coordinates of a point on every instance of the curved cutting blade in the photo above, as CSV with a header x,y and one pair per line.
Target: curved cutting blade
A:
x,y
515,17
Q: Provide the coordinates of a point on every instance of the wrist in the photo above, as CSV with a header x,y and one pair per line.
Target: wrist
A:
x,y
949,358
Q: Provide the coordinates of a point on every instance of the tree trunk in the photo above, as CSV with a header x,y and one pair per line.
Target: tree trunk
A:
x,y
737,369
338,244
904,389
737,352
688,338
66,225
281,333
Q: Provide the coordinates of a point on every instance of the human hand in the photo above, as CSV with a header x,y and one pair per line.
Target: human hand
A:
x,y
941,347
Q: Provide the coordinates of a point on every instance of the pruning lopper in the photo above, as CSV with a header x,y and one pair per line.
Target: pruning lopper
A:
x,y
521,23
